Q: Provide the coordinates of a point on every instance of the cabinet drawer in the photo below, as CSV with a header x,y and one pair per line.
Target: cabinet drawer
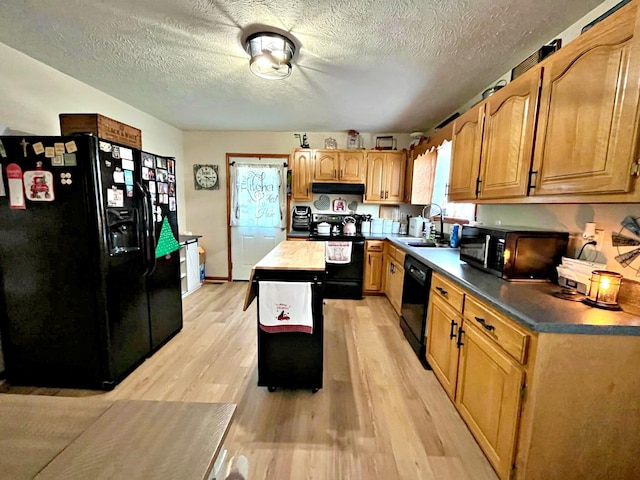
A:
x,y
513,339
374,245
394,252
446,290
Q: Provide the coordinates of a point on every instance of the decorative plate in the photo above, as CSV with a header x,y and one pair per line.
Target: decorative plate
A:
x,y
353,206
323,203
340,205
627,241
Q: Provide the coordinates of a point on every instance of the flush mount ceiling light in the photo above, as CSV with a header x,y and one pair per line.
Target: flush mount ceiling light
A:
x,y
271,55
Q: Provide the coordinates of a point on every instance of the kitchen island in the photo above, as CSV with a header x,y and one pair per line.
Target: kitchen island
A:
x,y
548,387
290,354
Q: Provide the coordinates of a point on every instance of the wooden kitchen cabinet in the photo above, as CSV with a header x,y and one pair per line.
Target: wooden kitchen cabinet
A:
x,y
326,165
489,396
301,175
587,129
507,140
465,154
565,131
373,268
385,176
393,282
443,322
345,166
466,349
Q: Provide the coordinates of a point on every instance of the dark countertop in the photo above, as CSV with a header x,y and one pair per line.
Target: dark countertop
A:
x,y
183,239
297,234
530,304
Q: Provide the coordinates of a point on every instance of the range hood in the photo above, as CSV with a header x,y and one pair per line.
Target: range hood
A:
x,y
344,188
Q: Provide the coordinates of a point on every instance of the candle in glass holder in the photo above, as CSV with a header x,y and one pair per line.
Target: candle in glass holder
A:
x,y
603,291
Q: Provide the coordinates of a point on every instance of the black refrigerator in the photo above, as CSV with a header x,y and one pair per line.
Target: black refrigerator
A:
x,y
78,240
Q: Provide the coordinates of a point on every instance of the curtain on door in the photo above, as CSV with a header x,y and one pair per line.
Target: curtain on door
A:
x,y
258,196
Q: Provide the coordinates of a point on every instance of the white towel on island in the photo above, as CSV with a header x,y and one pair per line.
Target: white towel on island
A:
x,y
337,252
285,307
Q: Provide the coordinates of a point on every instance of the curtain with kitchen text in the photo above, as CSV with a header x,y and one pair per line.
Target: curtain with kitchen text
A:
x,y
258,196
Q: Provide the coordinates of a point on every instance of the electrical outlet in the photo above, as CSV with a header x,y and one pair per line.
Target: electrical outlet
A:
x,y
599,237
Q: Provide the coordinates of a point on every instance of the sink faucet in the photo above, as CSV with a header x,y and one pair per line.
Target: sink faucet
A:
x,y
439,236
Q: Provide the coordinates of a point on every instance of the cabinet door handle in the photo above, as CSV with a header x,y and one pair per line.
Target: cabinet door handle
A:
x,y
442,291
452,334
483,322
341,174
335,172
307,191
460,333
381,194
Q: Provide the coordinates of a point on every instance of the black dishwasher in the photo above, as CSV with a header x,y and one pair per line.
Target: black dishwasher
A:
x,y
415,299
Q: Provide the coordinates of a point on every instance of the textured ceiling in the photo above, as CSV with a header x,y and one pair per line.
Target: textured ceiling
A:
x,y
373,66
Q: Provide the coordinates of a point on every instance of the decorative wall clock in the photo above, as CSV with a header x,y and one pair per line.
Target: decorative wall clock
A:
x,y
627,241
205,177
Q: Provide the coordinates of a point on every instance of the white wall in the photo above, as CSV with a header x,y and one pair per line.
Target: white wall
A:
x,y
32,95
206,210
572,219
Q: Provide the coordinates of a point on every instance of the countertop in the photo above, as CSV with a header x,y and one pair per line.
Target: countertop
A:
x,y
77,438
183,239
301,256
530,304
308,256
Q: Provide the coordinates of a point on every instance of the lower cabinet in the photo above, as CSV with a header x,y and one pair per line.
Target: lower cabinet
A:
x,y
464,349
393,278
488,396
442,350
540,405
373,268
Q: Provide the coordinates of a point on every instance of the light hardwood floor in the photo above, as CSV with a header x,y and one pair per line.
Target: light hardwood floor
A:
x,y
380,415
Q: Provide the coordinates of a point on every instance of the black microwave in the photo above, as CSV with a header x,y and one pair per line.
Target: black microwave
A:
x,y
514,253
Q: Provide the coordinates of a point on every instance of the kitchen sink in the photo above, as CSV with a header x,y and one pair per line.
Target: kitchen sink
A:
x,y
421,244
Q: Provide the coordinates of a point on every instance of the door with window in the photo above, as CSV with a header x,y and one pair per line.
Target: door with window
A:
x,y
257,210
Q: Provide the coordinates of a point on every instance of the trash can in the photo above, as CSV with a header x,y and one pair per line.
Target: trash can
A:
x,y
203,259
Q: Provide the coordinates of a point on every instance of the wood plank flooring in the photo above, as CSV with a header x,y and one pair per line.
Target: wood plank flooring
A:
x,y
380,415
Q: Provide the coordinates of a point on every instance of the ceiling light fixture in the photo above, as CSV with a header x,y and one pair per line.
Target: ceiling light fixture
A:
x,y
271,55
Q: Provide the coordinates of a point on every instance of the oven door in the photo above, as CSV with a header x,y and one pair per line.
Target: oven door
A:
x,y
344,280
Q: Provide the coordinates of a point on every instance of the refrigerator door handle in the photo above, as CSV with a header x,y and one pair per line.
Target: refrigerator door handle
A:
x,y
148,231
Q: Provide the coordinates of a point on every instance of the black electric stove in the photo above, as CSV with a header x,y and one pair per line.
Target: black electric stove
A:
x,y
343,280
336,230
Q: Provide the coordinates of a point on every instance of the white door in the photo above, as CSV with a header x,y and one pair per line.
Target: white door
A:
x,y
258,217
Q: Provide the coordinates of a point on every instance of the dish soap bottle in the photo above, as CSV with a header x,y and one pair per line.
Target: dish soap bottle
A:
x,y
454,239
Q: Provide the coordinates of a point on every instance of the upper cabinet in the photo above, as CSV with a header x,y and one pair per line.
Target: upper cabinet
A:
x,y
587,130
301,175
564,131
507,142
465,154
345,166
420,175
385,176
